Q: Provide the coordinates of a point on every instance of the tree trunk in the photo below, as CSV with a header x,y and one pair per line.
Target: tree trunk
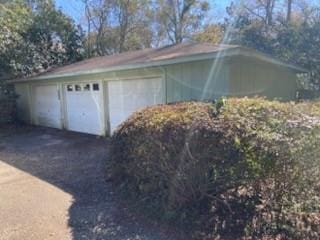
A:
x,y
88,18
289,10
269,12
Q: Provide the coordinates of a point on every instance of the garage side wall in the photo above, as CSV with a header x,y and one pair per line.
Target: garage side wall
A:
x,y
251,77
200,80
23,102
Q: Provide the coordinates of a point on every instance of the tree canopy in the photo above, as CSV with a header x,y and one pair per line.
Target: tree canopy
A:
x,y
122,25
288,30
117,26
178,19
36,36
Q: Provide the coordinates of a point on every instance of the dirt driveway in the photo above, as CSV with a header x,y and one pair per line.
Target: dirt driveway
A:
x,y
52,187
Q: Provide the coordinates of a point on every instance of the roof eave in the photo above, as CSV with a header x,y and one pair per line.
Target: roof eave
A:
x,y
241,51
247,52
159,63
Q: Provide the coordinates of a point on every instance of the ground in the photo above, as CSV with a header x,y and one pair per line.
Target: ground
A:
x,y
52,186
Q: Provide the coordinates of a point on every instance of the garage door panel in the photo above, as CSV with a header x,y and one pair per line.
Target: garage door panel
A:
x,y
138,85
128,96
83,109
44,120
136,99
47,110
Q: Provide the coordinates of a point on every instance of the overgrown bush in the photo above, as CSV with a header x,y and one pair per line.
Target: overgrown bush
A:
x,y
246,168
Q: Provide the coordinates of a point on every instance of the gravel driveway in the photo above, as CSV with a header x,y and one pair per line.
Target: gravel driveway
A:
x,y
52,187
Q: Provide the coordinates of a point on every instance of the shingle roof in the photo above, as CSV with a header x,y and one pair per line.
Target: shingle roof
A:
x,y
141,56
138,58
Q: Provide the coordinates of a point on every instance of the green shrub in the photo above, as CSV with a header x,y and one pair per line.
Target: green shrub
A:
x,y
249,168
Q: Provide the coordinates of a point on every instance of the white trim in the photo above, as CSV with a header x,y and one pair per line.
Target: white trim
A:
x,y
102,114
62,105
107,126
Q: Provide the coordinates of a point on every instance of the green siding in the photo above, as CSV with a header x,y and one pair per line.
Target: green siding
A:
x,y
201,80
251,77
23,104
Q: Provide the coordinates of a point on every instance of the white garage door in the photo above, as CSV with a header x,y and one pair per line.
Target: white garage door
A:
x,y
84,108
128,96
47,111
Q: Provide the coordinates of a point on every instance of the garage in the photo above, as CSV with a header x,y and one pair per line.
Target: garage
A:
x,y
98,94
128,96
84,108
47,107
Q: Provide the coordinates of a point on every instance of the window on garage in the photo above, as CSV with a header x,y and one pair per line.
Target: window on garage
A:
x,y
77,88
69,88
95,87
86,87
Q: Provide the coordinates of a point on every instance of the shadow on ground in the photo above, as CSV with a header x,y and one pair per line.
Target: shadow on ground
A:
x,y
75,163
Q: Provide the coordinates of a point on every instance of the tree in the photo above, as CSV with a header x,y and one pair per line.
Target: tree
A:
x,y
212,33
262,10
292,35
55,33
299,44
289,10
178,19
96,13
14,19
36,36
118,25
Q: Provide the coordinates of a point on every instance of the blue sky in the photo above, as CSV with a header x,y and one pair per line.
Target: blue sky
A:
x,y
75,8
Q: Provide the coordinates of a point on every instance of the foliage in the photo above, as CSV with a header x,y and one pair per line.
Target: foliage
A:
x,y
248,168
289,33
117,26
176,20
121,25
13,18
35,37
212,33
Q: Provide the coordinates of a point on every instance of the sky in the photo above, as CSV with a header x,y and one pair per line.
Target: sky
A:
x,y
75,8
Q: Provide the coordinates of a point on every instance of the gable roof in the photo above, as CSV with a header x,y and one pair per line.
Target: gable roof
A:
x,y
149,57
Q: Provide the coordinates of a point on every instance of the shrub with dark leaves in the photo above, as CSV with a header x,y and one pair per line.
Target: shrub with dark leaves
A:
x,y
245,168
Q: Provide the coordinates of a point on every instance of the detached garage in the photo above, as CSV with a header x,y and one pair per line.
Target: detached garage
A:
x,y
96,95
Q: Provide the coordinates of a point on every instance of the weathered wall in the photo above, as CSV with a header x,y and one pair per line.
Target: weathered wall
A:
x,y
201,80
250,77
7,111
23,105
7,104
